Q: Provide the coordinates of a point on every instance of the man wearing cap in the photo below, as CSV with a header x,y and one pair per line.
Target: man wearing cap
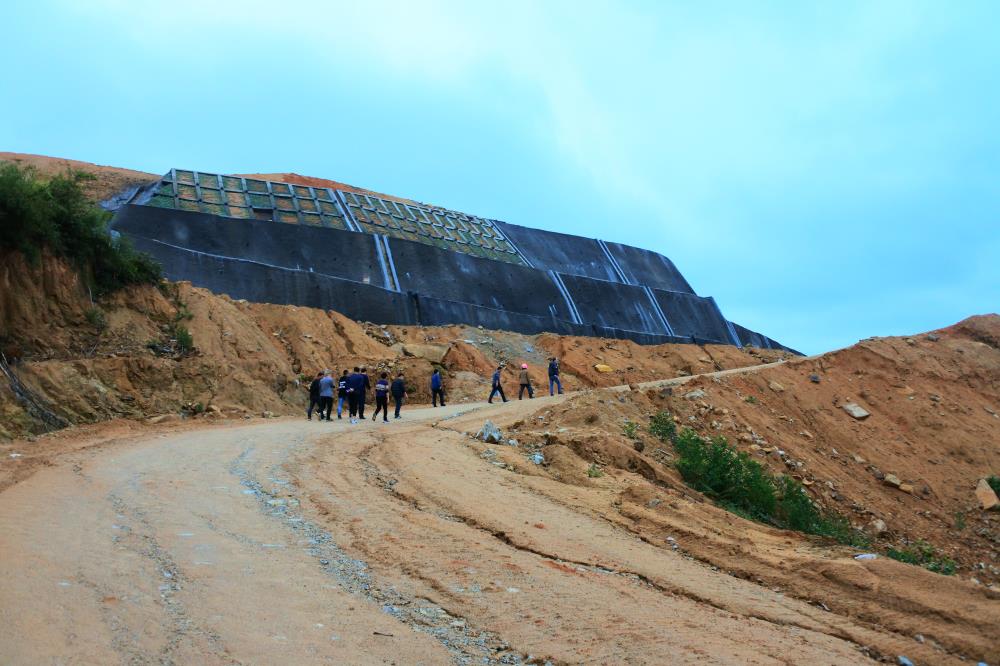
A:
x,y
525,383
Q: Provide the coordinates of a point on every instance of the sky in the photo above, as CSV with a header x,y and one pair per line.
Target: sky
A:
x,y
827,171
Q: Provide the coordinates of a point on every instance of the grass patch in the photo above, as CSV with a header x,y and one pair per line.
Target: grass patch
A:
x,y
922,554
752,400
745,487
594,471
55,215
631,429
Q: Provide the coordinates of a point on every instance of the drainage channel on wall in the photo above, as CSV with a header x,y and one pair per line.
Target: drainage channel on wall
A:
x,y
565,294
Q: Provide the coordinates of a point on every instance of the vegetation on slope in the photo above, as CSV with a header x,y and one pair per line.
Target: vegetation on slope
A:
x,y
55,215
745,487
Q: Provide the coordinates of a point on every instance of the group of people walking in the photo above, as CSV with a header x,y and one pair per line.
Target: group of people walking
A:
x,y
353,389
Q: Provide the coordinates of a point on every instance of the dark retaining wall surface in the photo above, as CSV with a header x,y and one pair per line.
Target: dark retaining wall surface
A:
x,y
281,263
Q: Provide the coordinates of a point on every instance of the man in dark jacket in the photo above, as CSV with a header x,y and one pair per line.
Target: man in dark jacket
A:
x,y
437,389
314,401
355,384
363,396
398,390
497,388
554,376
382,398
341,393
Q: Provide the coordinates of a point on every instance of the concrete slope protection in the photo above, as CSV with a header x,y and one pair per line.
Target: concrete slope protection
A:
x,y
390,262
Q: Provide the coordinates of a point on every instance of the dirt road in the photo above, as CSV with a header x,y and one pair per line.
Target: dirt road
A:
x,y
288,541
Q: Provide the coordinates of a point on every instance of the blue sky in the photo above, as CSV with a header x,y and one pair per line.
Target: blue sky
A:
x,y
827,171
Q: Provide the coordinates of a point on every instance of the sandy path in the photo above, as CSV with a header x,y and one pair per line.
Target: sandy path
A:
x,y
192,547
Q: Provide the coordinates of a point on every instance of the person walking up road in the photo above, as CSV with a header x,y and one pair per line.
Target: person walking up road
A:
x,y
497,387
341,393
382,398
325,395
355,382
314,400
437,389
363,393
525,380
554,376
398,390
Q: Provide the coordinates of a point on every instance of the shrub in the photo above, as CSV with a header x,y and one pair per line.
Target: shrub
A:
x,y
594,471
185,343
631,429
662,426
95,317
923,554
752,400
55,215
745,487
994,482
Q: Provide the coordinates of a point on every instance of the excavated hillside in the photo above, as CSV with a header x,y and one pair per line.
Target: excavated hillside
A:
x,y
87,361
165,491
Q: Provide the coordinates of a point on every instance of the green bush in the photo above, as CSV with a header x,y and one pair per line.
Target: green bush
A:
x,y
185,342
631,429
994,482
594,471
745,487
55,215
662,426
923,554
95,317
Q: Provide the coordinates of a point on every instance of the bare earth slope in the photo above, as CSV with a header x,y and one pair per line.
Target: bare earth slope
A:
x,y
91,361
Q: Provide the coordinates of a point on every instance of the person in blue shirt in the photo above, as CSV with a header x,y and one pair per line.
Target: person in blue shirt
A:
x,y
497,388
436,388
325,395
382,398
554,376
341,393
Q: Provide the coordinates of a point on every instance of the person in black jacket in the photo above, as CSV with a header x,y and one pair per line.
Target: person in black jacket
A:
x,y
355,384
341,393
398,390
314,401
554,376
363,396
497,387
382,398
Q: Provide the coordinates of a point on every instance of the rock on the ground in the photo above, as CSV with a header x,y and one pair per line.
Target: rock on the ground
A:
x,y
600,367
696,394
163,418
892,480
877,527
776,387
856,410
987,496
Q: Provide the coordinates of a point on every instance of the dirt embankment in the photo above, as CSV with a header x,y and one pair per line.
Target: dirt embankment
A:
x,y
934,422
105,182
88,361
